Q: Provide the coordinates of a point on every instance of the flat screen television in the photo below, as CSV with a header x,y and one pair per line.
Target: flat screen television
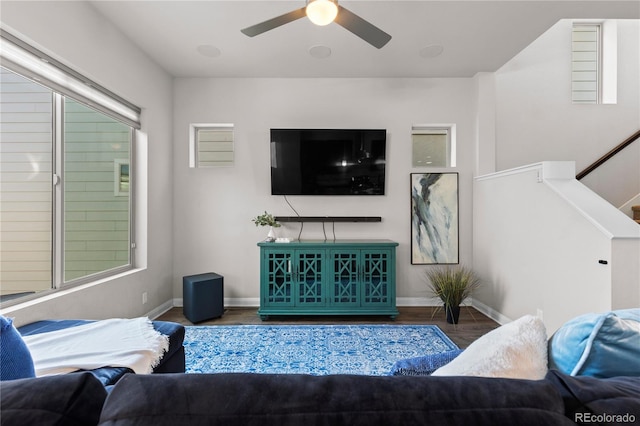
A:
x,y
328,161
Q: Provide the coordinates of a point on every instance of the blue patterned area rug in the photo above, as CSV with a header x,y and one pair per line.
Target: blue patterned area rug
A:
x,y
308,349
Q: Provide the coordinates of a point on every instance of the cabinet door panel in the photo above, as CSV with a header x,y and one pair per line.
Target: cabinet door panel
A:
x,y
376,270
345,280
279,279
309,276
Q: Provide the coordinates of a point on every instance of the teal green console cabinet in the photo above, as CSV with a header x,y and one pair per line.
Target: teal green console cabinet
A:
x,y
343,277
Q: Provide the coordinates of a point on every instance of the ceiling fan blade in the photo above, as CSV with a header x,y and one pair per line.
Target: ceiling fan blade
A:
x,y
363,29
265,26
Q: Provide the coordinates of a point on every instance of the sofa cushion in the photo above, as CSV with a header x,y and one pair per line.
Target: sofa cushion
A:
x,y
598,344
269,399
588,400
70,399
109,375
15,358
515,350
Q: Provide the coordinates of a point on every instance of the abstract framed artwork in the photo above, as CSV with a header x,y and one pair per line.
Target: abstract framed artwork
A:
x,y
434,218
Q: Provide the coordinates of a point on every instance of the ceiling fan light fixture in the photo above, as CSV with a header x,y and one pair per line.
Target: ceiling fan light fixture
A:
x,y
322,12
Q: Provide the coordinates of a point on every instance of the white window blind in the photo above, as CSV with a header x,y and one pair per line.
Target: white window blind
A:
x,y
42,68
211,145
433,146
585,63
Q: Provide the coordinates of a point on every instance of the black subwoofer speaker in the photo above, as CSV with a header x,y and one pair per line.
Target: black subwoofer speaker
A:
x,y
203,296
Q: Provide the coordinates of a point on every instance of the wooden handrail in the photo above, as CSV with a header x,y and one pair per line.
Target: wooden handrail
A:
x,y
608,155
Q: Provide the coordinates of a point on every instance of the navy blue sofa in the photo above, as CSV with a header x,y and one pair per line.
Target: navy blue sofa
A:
x,y
268,400
174,399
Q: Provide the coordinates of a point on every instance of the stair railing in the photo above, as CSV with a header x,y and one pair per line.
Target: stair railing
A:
x,y
608,155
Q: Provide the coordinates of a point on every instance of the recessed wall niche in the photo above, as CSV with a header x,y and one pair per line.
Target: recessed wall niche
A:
x,y
433,145
210,145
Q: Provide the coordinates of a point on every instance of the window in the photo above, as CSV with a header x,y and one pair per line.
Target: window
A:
x,y
433,146
585,63
594,62
66,184
211,145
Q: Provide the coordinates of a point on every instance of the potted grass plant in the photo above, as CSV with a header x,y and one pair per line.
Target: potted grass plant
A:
x,y
269,220
452,285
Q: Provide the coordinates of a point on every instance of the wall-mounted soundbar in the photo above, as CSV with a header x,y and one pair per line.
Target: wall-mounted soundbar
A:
x,y
329,218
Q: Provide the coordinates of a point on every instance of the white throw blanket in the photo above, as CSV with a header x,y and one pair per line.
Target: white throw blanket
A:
x,y
132,343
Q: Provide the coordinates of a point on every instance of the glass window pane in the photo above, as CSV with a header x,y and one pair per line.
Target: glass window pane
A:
x,y
97,151
25,186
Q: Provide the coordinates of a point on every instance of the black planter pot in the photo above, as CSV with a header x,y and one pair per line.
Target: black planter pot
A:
x,y
453,313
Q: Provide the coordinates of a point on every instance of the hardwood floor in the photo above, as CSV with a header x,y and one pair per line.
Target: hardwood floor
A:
x,y
472,324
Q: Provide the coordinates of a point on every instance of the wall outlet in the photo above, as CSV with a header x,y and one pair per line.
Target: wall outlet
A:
x,y
144,298
539,314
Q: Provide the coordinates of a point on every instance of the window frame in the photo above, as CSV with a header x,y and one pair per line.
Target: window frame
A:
x,y
59,281
57,188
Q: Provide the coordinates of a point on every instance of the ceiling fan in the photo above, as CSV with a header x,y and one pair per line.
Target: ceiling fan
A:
x,y
323,12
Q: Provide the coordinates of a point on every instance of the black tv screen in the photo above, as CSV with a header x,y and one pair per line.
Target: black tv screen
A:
x,y
328,161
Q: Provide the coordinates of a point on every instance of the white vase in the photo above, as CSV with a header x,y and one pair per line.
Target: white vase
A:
x,y
271,236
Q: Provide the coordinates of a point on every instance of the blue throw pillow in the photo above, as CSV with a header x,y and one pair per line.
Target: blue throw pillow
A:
x,y
15,358
423,365
598,345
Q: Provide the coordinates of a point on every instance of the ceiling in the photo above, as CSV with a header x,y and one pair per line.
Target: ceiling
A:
x,y
430,38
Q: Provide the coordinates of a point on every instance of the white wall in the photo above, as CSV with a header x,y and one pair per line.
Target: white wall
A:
x,y
75,34
536,120
214,207
539,238
485,123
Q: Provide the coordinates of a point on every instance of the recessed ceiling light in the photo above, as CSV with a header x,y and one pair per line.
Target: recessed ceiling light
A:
x,y
320,52
431,51
209,51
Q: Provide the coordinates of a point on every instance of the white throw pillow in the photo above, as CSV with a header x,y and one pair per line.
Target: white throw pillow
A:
x,y
516,350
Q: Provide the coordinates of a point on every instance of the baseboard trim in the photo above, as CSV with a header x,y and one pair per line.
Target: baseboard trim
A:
x,y
155,313
242,302
417,301
254,302
229,302
490,312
